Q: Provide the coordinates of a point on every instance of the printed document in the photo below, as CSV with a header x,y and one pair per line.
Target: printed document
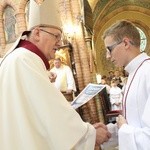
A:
x,y
87,94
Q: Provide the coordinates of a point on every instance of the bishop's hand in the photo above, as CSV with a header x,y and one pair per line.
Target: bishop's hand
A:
x,y
102,134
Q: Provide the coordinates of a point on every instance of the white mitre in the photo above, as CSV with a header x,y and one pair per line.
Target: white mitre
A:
x,y
45,14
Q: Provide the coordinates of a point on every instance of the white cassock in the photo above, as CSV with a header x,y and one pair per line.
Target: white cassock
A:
x,y
64,79
34,115
136,134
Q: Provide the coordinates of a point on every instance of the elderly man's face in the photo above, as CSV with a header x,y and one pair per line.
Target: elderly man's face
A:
x,y
49,41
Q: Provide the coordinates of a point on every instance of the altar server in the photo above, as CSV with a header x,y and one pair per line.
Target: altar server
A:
x,y
122,41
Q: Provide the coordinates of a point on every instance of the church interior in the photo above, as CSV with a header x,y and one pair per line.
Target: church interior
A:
x,y
83,23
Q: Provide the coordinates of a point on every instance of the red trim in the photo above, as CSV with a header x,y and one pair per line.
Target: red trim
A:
x,y
125,99
31,47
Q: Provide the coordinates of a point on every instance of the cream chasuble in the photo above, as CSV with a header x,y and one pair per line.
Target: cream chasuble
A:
x,y
136,134
34,115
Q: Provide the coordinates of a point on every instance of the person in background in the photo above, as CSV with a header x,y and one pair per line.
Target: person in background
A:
x,y
110,75
122,42
115,95
117,77
64,80
104,80
34,114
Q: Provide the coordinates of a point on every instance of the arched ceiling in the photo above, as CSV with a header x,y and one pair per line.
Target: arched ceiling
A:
x,y
107,12
99,14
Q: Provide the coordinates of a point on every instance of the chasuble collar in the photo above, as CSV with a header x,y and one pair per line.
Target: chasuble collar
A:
x,y
31,47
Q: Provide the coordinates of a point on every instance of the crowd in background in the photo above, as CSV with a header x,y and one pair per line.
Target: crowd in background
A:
x,y
115,83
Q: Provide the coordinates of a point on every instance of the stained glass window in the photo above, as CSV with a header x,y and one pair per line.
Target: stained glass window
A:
x,y
10,24
143,40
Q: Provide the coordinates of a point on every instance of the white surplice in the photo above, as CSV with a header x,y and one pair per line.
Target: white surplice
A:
x,y
34,115
136,134
115,95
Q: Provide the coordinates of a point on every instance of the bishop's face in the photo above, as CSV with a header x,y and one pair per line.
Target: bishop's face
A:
x,y
50,41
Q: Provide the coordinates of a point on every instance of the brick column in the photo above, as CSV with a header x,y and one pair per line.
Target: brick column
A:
x,y
21,22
